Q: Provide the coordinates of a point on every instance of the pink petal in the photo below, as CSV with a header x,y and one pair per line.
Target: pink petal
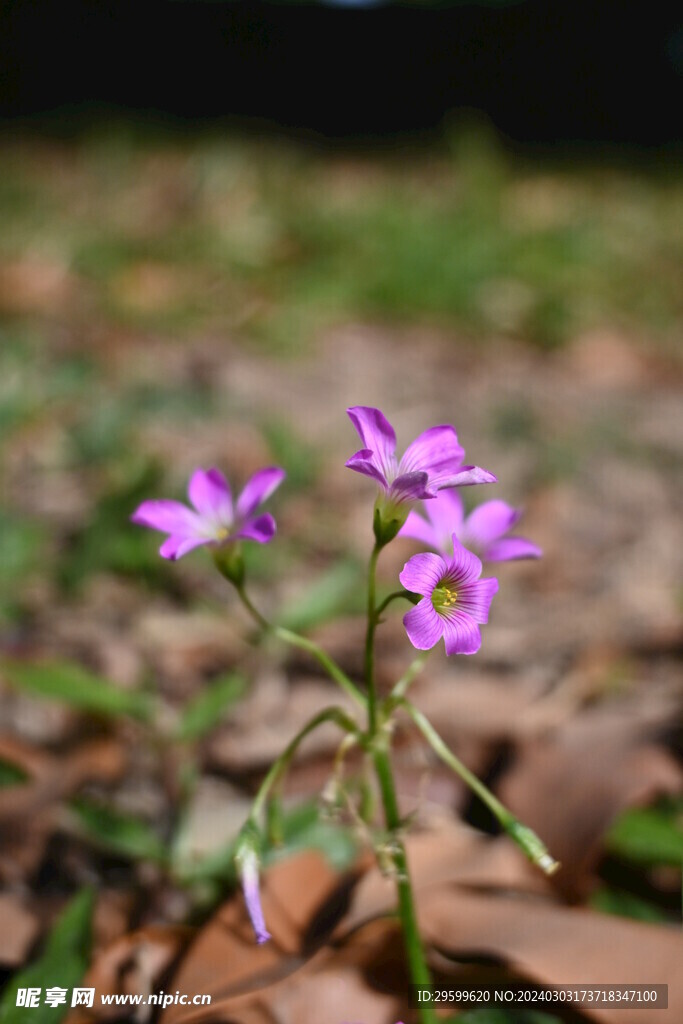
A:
x,y
445,512
475,598
460,632
422,573
410,487
258,489
488,522
419,529
436,452
175,547
423,625
378,435
261,529
466,476
209,492
364,462
510,548
463,567
169,517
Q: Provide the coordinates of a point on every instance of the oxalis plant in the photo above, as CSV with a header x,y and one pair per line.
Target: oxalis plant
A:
x,y
448,599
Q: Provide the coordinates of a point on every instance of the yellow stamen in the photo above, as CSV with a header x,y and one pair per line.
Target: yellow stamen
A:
x,y
444,597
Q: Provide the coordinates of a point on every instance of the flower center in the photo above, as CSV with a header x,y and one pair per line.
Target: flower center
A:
x,y
222,533
443,597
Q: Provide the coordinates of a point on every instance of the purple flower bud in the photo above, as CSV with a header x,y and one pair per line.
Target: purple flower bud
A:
x,y
247,866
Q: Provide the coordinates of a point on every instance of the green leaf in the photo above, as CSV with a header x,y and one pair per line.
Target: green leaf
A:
x,y
62,964
205,711
331,594
650,835
625,904
72,684
109,540
123,834
11,774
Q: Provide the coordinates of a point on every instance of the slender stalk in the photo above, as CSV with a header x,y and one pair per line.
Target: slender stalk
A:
x,y
303,642
533,847
394,597
447,755
414,669
378,742
280,766
328,663
370,642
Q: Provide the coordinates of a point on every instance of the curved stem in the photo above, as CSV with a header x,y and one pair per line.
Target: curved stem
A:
x,y
303,642
414,669
526,839
394,597
336,715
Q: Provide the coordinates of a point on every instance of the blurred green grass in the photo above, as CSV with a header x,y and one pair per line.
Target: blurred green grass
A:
x,y
268,244
278,241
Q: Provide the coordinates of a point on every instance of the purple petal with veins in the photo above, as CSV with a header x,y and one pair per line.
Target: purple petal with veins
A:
x,y
423,625
377,435
435,452
422,572
409,487
461,634
475,598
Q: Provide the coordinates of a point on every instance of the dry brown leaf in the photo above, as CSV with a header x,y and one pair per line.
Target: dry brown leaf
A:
x,y
19,929
133,964
225,960
570,785
29,809
54,777
555,945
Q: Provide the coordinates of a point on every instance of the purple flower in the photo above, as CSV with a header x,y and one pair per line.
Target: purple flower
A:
x,y
483,529
247,864
432,461
454,600
213,520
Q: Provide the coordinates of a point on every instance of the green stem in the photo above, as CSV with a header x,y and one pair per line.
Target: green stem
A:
x,y
296,640
370,643
419,972
413,670
336,715
378,741
394,597
529,842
